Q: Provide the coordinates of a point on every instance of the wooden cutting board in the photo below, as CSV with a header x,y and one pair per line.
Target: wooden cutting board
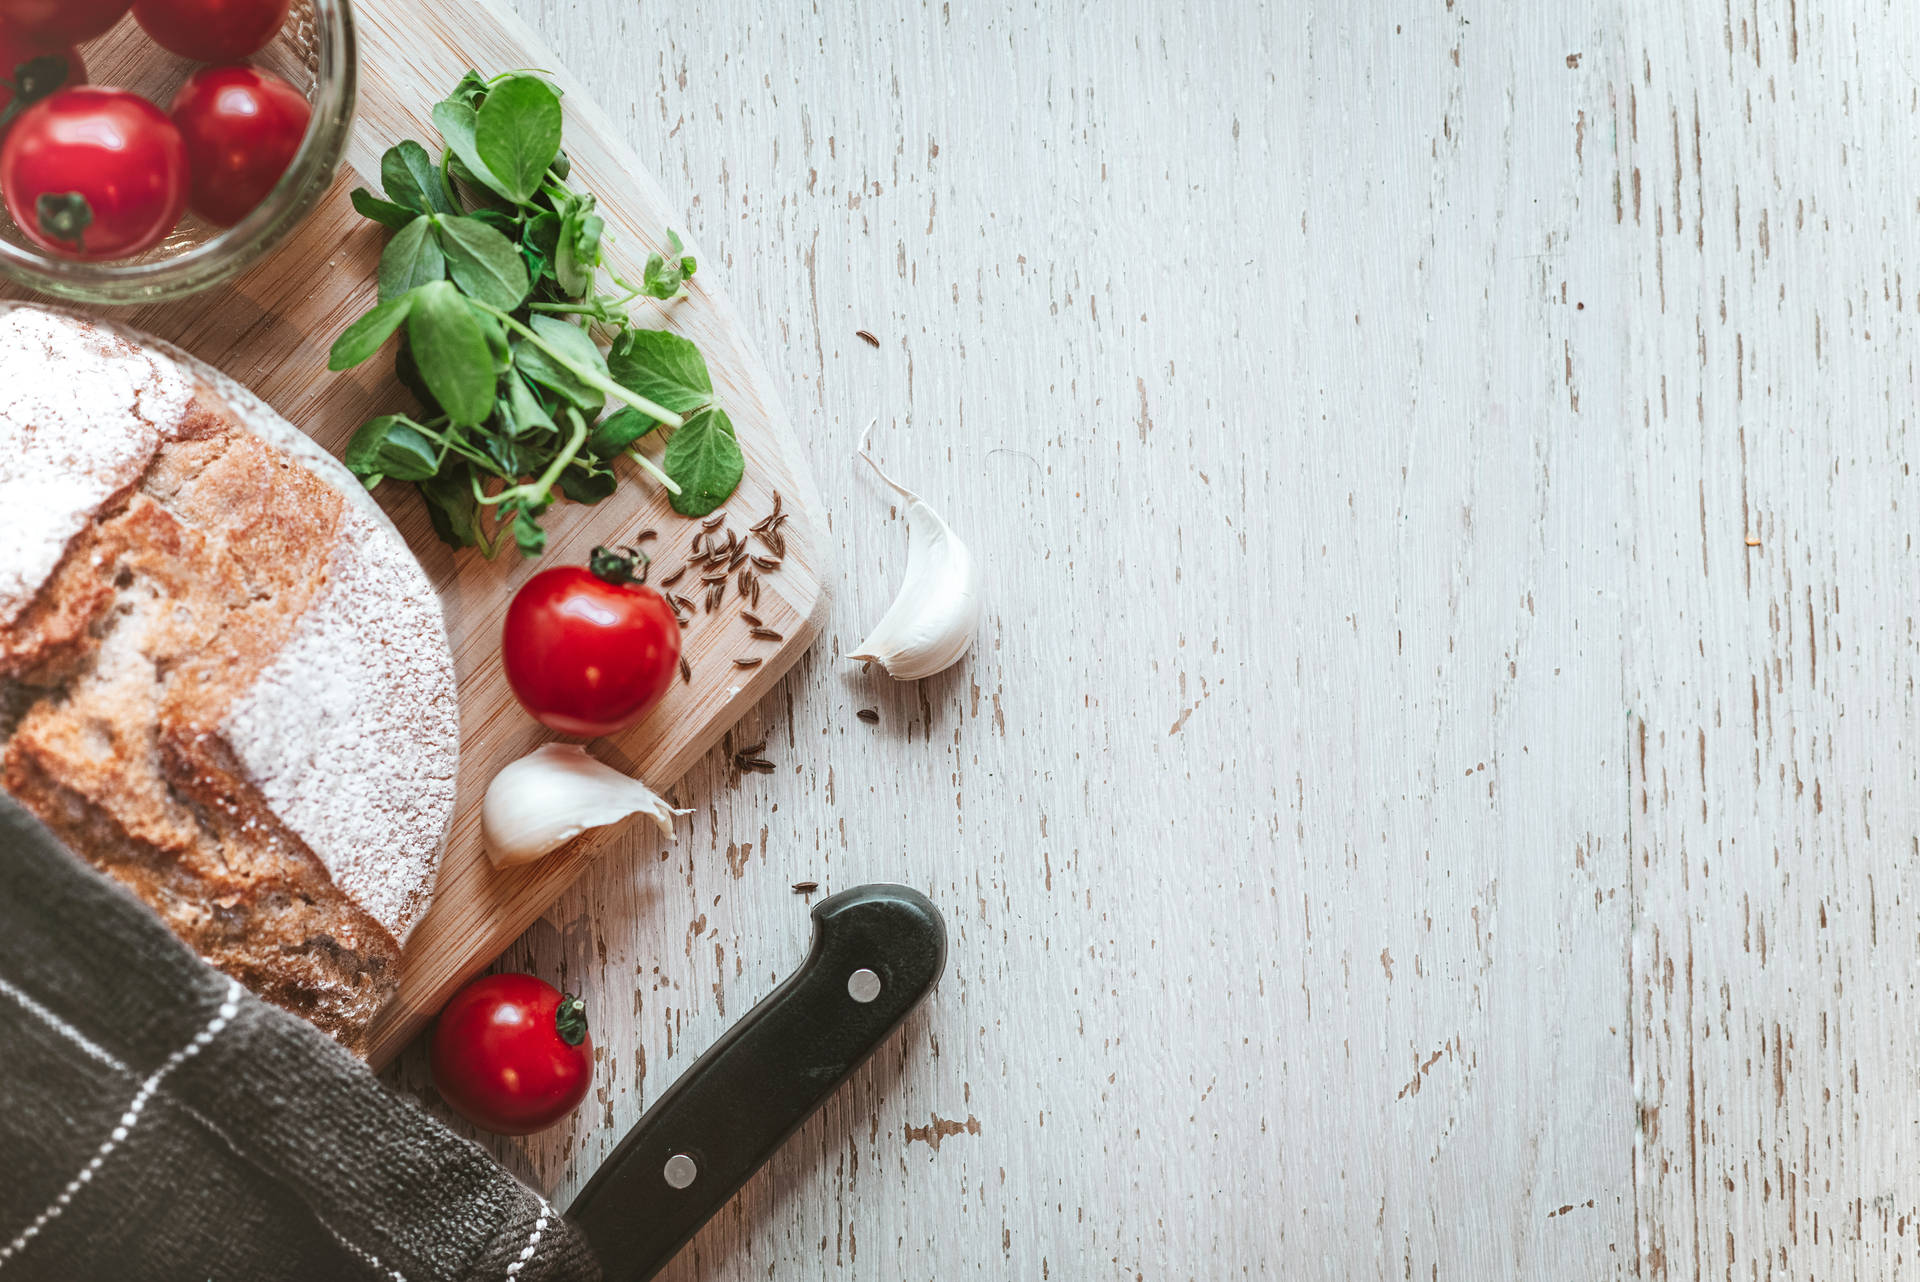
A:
x,y
271,329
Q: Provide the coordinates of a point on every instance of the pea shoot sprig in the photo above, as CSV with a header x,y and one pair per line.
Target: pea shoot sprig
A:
x,y
491,279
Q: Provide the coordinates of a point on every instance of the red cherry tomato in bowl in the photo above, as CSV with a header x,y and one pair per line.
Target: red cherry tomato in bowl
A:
x,y
590,651
64,22
94,173
512,1053
242,128
212,30
31,69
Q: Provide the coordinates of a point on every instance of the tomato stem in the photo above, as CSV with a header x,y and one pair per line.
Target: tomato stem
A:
x,y
570,1020
619,566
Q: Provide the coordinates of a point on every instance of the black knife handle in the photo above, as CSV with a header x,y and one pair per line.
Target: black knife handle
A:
x,y
713,1128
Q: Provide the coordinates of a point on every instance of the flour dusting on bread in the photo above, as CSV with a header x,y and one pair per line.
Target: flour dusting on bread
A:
x,y
343,731
81,413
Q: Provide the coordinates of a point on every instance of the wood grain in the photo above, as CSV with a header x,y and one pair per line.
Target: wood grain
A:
x,y
271,329
1431,798
1270,358
1395,824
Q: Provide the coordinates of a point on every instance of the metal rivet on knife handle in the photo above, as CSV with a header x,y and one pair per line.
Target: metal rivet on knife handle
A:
x,y
863,985
680,1171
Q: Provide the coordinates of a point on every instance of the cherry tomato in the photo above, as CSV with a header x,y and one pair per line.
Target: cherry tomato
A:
x,y
62,22
31,68
242,128
511,1053
94,173
211,30
589,652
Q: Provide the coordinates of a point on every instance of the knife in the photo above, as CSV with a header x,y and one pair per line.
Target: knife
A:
x,y
877,951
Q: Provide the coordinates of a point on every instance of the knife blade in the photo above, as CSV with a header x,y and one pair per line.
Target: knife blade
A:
x,y
877,951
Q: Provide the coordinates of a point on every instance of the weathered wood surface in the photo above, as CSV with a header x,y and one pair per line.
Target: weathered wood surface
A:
x,y
1396,824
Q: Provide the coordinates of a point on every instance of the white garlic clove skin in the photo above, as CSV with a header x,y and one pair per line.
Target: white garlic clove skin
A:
x,y
553,794
931,623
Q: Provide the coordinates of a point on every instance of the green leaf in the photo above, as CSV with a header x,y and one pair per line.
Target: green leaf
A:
x,y
364,337
483,262
498,345
457,122
617,431
665,368
451,352
411,258
412,180
362,455
470,90
384,212
577,253
588,485
524,410
664,276
577,351
408,373
527,534
517,134
408,454
705,461
543,232
499,220
507,456
451,506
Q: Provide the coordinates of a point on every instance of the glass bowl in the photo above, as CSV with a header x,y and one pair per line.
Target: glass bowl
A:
x,y
314,52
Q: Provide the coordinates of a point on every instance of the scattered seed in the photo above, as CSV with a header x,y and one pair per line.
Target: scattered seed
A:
x,y
673,578
765,562
644,535
746,583
747,663
686,673
866,338
765,634
698,547
776,502
756,594
715,595
753,750
714,521
760,764
805,887
718,576
868,715
680,602
751,617
1753,543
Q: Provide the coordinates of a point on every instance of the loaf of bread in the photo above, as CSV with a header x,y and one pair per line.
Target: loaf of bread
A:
x,y
223,677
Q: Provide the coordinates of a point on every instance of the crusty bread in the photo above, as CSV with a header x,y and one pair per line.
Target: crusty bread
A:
x,y
231,687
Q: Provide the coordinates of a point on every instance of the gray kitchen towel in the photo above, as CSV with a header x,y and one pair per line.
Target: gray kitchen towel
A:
x,y
157,1121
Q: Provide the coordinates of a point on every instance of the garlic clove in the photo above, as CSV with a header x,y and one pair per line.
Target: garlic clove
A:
x,y
552,795
931,622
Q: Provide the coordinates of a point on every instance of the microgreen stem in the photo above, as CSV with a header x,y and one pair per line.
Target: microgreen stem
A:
x,y
647,464
592,378
564,457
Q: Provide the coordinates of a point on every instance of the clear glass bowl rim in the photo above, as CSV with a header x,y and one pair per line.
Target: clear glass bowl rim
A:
x,y
247,241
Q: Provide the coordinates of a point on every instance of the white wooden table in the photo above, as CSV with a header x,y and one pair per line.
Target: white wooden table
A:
x,y
1434,794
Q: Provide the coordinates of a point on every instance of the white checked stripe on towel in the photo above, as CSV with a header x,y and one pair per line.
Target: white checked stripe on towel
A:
x,y
129,1119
